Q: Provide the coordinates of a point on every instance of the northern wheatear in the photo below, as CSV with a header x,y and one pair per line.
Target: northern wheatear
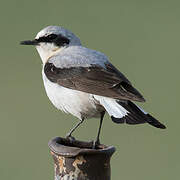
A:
x,y
83,82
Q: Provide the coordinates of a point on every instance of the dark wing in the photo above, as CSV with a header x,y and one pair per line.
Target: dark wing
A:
x,y
136,116
95,79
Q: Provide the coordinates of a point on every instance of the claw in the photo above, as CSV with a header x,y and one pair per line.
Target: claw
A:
x,y
69,137
96,144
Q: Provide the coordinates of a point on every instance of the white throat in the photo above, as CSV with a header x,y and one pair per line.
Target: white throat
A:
x,y
47,50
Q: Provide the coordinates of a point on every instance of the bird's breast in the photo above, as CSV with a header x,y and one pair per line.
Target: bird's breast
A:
x,y
77,103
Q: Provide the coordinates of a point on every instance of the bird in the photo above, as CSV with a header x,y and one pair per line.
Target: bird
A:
x,y
84,83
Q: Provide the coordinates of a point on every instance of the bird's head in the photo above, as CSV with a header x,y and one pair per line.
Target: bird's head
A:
x,y
52,39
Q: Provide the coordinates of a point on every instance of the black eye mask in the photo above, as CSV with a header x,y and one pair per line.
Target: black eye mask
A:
x,y
59,40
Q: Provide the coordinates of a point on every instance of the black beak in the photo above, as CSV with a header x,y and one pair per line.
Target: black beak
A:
x,y
29,42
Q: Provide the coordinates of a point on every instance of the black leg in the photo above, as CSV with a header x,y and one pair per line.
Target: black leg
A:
x,y
74,128
97,142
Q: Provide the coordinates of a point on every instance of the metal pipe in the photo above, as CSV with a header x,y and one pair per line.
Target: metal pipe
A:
x,y
76,160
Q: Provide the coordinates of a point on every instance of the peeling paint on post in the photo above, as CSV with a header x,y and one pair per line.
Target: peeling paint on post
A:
x,y
76,160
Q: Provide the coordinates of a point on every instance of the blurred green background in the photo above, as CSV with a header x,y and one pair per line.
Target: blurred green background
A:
x,y
142,40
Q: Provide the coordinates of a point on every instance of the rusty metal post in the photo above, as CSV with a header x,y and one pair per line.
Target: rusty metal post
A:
x,y
76,160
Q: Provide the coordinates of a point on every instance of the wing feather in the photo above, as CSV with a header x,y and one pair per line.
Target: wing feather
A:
x,y
94,79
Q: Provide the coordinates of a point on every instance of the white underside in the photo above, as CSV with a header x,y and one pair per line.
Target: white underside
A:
x,y
80,104
112,107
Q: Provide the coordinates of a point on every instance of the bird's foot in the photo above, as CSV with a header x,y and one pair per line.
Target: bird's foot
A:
x,y
69,137
96,143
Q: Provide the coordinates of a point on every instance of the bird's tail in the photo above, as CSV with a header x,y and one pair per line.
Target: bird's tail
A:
x,y
128,112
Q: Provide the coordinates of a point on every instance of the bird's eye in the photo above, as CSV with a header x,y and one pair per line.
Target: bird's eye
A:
x,y
56,39
49,38
52,36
